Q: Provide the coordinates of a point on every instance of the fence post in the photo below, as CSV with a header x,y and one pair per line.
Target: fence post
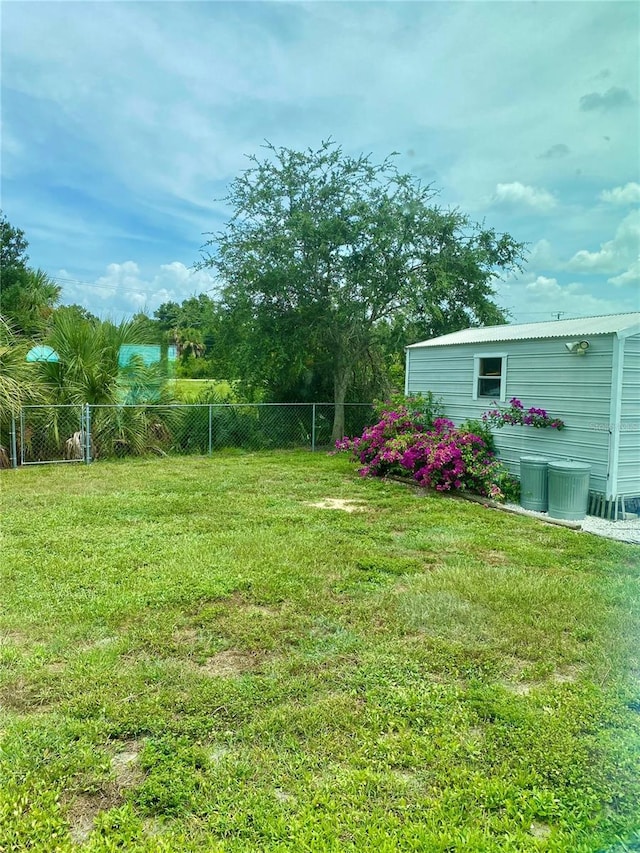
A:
x,y
87,434
14,446
22,436
313,428
210,429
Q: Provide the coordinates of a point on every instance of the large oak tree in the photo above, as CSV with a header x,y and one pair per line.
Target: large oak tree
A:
x,y
322,248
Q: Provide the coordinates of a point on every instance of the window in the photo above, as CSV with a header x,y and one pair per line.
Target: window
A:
x,y
490,376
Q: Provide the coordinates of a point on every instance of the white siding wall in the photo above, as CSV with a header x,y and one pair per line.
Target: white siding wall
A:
x,y
629,453
540,373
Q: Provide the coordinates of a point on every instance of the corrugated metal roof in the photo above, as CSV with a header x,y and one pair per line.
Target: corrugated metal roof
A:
x,y
602,325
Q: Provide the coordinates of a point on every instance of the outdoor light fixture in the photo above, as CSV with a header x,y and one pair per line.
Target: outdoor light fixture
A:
x,y
578,347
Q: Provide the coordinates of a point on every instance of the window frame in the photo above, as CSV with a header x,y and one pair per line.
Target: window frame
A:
x,y
477,358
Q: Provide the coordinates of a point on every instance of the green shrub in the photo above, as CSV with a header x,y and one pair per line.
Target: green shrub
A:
x,y
423,409
473,426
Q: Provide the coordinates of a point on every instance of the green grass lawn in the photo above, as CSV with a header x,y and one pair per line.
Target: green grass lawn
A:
x,y
188,390
193,657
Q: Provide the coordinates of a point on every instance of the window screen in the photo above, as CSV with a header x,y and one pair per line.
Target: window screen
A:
x,y
489,377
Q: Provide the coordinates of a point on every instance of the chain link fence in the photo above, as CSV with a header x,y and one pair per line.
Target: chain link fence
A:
x,y
84,433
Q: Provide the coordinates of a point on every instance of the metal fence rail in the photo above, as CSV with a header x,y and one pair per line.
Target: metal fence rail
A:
x,y
84,433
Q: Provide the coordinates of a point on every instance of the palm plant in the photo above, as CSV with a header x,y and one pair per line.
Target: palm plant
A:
x,y
89,371
28,299
88,368
19,384
188,342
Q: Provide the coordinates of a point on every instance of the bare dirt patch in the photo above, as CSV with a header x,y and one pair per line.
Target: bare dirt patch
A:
x,y
237,601
154,826
187,636
282,796
84,808
495,558
518,664
563,675
23,698
230,663
405,777
15,638
540,830
566,675
125,766
521,688
260,610
340,503
102,643
219,607
217,752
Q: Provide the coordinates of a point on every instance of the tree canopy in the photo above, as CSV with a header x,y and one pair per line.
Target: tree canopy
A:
x,y
199,330
27,296
13,245
326,254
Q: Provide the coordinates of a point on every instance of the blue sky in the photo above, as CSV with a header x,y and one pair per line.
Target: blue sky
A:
x,y
123,122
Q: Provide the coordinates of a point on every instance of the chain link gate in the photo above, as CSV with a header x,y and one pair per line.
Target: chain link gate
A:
x,y
49,434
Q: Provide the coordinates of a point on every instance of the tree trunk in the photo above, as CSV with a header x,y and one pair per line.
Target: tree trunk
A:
x,y
340,385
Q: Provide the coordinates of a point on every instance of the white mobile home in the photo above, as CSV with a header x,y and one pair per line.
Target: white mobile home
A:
x,y
585,372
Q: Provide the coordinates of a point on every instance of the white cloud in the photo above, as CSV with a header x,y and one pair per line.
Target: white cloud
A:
x,y
520,195
629,278
614,255
629,194
125,290
603,261
544,286
542,298
542,255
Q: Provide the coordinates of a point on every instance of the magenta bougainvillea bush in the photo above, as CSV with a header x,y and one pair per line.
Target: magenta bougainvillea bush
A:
x,y
516,415
436,454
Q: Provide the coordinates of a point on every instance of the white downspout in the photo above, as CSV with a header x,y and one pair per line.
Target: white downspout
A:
x,y
406,372
615,413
